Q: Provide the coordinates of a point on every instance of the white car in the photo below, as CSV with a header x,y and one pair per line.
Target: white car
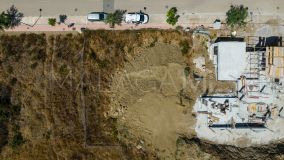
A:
x,y
96,16
136,17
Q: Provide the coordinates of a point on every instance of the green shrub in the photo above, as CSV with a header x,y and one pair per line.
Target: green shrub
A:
x,y
52,21
62,18
236,16
172,17
5,21
115,18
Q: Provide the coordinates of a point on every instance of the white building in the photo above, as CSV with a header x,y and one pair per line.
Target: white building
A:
x,y
230,59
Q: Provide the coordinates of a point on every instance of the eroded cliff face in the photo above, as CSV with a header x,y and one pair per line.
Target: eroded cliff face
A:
x,y
271,151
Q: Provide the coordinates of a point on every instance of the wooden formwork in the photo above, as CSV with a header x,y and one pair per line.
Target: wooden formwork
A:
x,y
275,61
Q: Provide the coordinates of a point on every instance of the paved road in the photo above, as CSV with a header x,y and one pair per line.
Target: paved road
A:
x,y
192,12
82,7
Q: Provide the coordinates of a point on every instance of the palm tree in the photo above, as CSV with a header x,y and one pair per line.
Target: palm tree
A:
x,y
115,18
11,18
15,16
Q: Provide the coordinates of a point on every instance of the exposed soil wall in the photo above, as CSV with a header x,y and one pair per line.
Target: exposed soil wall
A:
x,y
271,151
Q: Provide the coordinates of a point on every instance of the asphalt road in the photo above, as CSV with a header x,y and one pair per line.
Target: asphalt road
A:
x,y
83,7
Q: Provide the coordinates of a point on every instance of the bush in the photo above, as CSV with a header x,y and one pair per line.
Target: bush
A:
x,y
34,65
93,55
15,110
62,18
103,63
17,140
9,111
11,18
13,81
186,71
3,135
40,56
52,21
63,70
10,69
172,17
5,21
236,16
179,28
115,18
15,16
4,113
184,46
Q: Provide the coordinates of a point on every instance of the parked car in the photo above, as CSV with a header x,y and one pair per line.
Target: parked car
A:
x,y
136,17
96,16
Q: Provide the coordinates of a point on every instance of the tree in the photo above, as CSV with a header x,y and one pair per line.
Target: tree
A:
x,y
52,21
115,18
236,16
15,16
62,18
172,17
5,21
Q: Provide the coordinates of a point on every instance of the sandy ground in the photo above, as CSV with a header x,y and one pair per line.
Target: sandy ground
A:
x,y
147,100
159,121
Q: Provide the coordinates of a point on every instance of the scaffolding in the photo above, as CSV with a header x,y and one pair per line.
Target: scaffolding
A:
x,y
259,61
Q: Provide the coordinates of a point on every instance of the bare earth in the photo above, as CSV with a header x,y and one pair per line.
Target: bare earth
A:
x,y
150,105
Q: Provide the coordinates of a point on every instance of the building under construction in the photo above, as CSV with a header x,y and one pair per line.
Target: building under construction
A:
x,y
256,65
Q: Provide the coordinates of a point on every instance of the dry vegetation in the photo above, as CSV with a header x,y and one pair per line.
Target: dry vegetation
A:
x,y
56,91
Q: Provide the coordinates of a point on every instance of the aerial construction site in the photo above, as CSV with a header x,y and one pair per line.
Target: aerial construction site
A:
x,y
252,113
